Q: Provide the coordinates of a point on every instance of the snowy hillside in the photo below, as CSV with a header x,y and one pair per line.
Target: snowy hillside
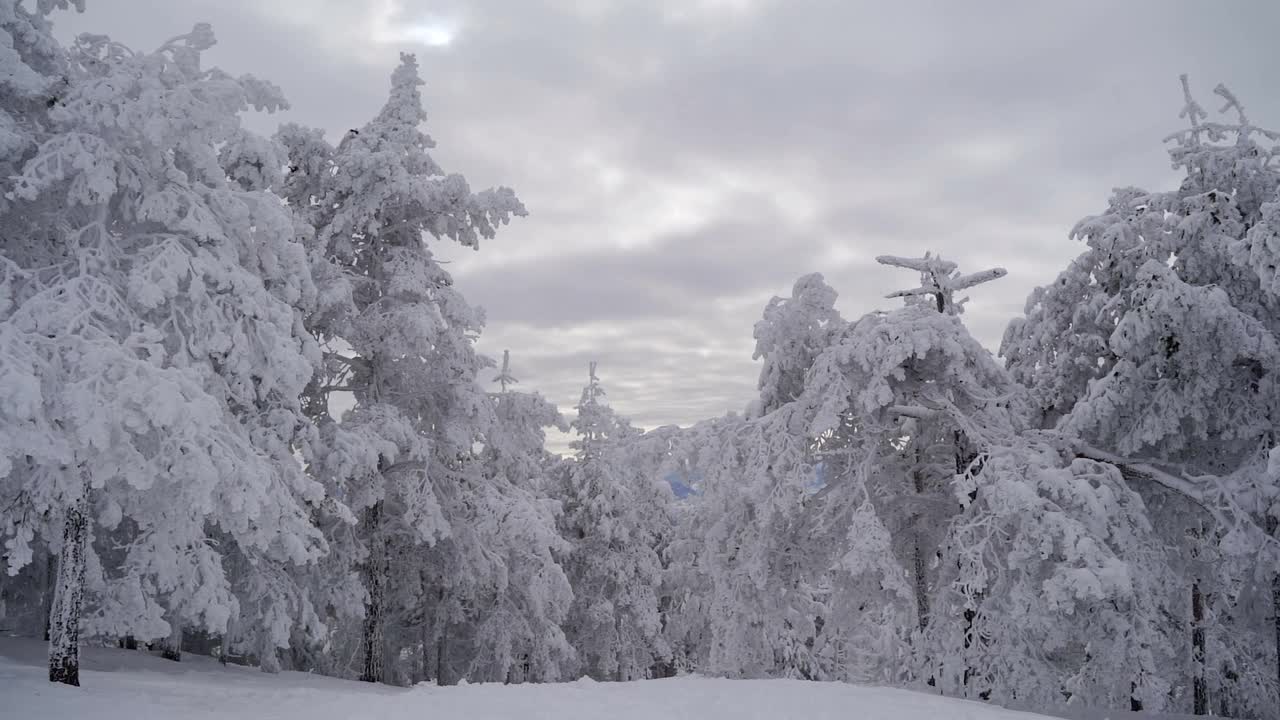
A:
x,y
134,685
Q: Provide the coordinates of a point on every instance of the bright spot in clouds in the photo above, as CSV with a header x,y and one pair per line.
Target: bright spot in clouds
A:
x,y
395,26
435,32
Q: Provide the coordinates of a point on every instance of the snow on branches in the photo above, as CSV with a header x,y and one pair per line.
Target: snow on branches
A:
x,y
940,279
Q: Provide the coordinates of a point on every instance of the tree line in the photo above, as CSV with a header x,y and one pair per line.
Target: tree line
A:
x,y
1089,518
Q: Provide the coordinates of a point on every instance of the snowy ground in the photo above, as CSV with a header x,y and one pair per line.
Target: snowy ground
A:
x,y
137,686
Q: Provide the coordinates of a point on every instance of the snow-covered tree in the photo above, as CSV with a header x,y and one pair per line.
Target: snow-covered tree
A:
x,y
1002,537
401,340
896,521
756,475
1156,351
789,336
34,73
518,627
898,406
153,349
746,540
612,519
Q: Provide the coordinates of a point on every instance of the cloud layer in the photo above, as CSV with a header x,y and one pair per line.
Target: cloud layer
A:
x,y
685,160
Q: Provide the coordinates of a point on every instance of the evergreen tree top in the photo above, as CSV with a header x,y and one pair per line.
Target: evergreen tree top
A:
x,y
940,279
504,377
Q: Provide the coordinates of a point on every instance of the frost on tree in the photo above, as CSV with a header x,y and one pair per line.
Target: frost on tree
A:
x,y
788,337
934,434
183,302
899,406
940,280
33,74
1156,351
744,544
154,341
519,633
400,340
761,610
611,520
866,529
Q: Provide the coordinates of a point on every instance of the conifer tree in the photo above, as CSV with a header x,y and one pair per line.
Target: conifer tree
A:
x,y
155,332
401,339
610,519
519,636
1156,351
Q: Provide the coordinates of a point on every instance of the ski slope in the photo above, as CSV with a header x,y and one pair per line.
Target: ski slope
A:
x,y
120,685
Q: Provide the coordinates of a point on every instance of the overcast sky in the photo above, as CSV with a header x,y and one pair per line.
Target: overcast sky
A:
x,y
684,161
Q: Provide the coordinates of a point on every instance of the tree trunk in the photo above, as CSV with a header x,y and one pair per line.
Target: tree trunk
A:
x,y
375,578
442,644
442,656
171,647
618,673
919,568
224,647
1273,525
1274,529
1224,696
50,589
68,596
425,638
1200,686
1275,603
921,583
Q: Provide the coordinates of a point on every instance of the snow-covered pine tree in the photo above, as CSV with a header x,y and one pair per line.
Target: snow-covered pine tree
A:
x,y
756,477
912,417
870,520
466,614
933,455
518,634
401,342
898,406
611,519
33,71
152,330
760,612
1156,351
789,336
687,589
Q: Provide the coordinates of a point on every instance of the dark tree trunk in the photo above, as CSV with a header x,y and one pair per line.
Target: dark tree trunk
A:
x,y
171,647
921,583
425,638
224,644
68,597
966,462
375,577
442,657
1273,525
919,569
1200,687
50,589
1224,697
1275,603
443,675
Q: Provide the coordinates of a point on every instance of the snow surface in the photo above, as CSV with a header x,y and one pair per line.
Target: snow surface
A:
x,y
136,686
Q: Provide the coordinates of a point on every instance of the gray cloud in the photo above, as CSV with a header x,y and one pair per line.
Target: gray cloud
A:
x,y
684,161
